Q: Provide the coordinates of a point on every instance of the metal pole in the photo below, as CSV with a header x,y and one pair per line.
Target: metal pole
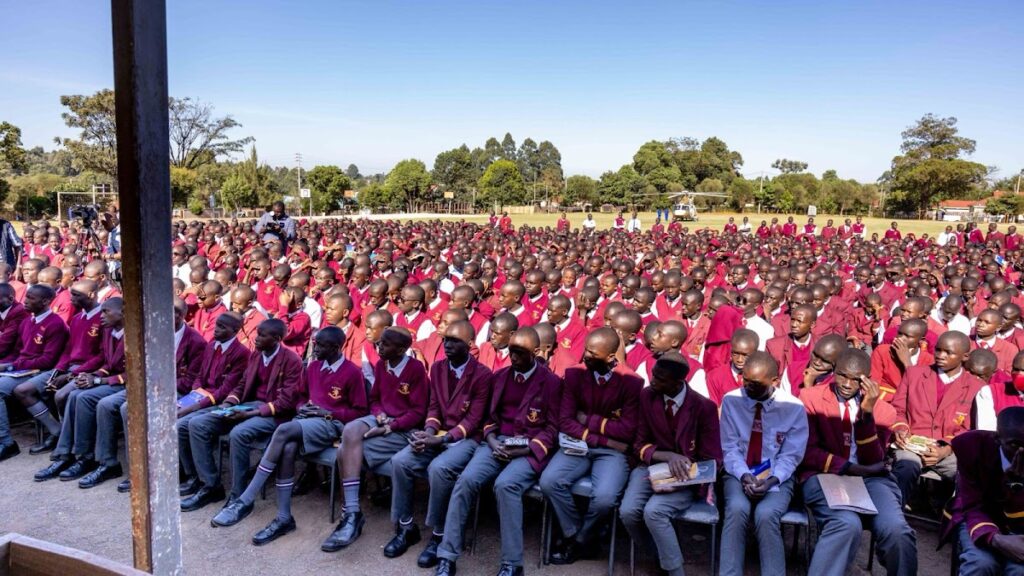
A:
x,y
1017,189
140,83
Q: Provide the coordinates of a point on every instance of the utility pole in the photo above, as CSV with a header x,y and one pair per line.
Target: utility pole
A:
x,y
298,182
1019,174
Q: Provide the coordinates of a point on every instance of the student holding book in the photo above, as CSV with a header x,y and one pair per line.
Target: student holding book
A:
x,y
848,436
677,427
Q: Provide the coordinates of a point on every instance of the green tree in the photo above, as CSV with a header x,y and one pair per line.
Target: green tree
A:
x,y
95,149
741,193
579,189
508,147
259,178
932,167
1010,205
549,159
529,161
13,157
502,184
492,151
327,186
183,183
353,172
408,181
376,197
787,166
454,171
655,163
197,136
237,193
621,187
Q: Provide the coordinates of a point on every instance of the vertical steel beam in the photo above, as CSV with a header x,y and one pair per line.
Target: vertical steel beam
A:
x,y
143,157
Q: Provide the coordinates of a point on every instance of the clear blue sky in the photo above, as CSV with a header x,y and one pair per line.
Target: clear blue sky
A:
x,y
370,83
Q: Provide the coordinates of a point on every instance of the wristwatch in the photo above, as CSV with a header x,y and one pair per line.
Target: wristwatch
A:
x,y
96,380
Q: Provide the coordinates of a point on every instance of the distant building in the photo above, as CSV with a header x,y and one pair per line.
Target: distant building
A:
x,y
964,210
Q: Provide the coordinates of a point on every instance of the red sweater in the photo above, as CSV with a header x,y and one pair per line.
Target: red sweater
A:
x,y
41,343
403,398
84,347
341,392
9,330
205,320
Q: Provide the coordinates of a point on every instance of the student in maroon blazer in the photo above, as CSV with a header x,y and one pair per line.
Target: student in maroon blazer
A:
x,y
986,513
190,347
74,455
460,389
600,406
332,394
793,351
935,402
848,435
11,315
42,336
398,406
679,427
269,389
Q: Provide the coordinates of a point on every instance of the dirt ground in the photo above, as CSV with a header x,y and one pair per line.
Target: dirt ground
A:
x,y
98,521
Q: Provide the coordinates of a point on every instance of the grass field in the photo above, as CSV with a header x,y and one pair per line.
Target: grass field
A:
x,y
718,220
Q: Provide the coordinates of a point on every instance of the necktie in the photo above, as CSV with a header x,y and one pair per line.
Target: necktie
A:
x,y
756,432
669,411
847,432
983,345
520,379
218,351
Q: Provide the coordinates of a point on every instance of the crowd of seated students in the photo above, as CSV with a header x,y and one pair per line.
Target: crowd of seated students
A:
x,y
485,357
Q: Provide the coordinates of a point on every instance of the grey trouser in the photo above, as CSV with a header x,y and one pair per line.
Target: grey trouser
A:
x,y
641,508
185,444
840,530
7,386
511,481
205,431
111,416
908,468
78,428
440,467
767,516
608,472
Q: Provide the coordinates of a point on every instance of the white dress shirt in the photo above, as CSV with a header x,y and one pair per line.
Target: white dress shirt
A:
x,y
763,329
784,440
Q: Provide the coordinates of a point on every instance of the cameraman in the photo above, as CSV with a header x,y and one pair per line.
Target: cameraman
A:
x,y
276,225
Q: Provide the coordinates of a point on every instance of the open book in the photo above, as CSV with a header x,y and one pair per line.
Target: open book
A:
x,y
572,446
847,493
919,444
662,480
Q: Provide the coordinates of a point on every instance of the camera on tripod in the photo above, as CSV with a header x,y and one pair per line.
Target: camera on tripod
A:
x,y
87,213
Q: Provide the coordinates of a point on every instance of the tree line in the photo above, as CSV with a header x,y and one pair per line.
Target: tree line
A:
x,y
208,159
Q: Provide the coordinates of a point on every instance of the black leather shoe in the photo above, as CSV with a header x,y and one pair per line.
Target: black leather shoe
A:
x,y
428,558
445,568
510,570
205,495
189,487
273,531
573,551
232,514
405,536
9,450
78,469
100,475
124,486
47,445
350,527
53,470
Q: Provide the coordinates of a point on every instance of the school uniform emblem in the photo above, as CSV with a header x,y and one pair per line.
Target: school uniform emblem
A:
x,y
269,289
617,413
465,406
403,388
566,343
94,331
959,418
533,416
335,393
38,340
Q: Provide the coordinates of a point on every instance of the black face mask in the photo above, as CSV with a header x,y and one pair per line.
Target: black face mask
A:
x,y
598,366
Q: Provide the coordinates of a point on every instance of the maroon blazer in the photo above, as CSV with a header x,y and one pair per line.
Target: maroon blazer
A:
x,y
112,370
983,500
612,409
9,332
189,358
830,321
219,374
537,417
694,433
458,407
283,388
918,410
826,435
